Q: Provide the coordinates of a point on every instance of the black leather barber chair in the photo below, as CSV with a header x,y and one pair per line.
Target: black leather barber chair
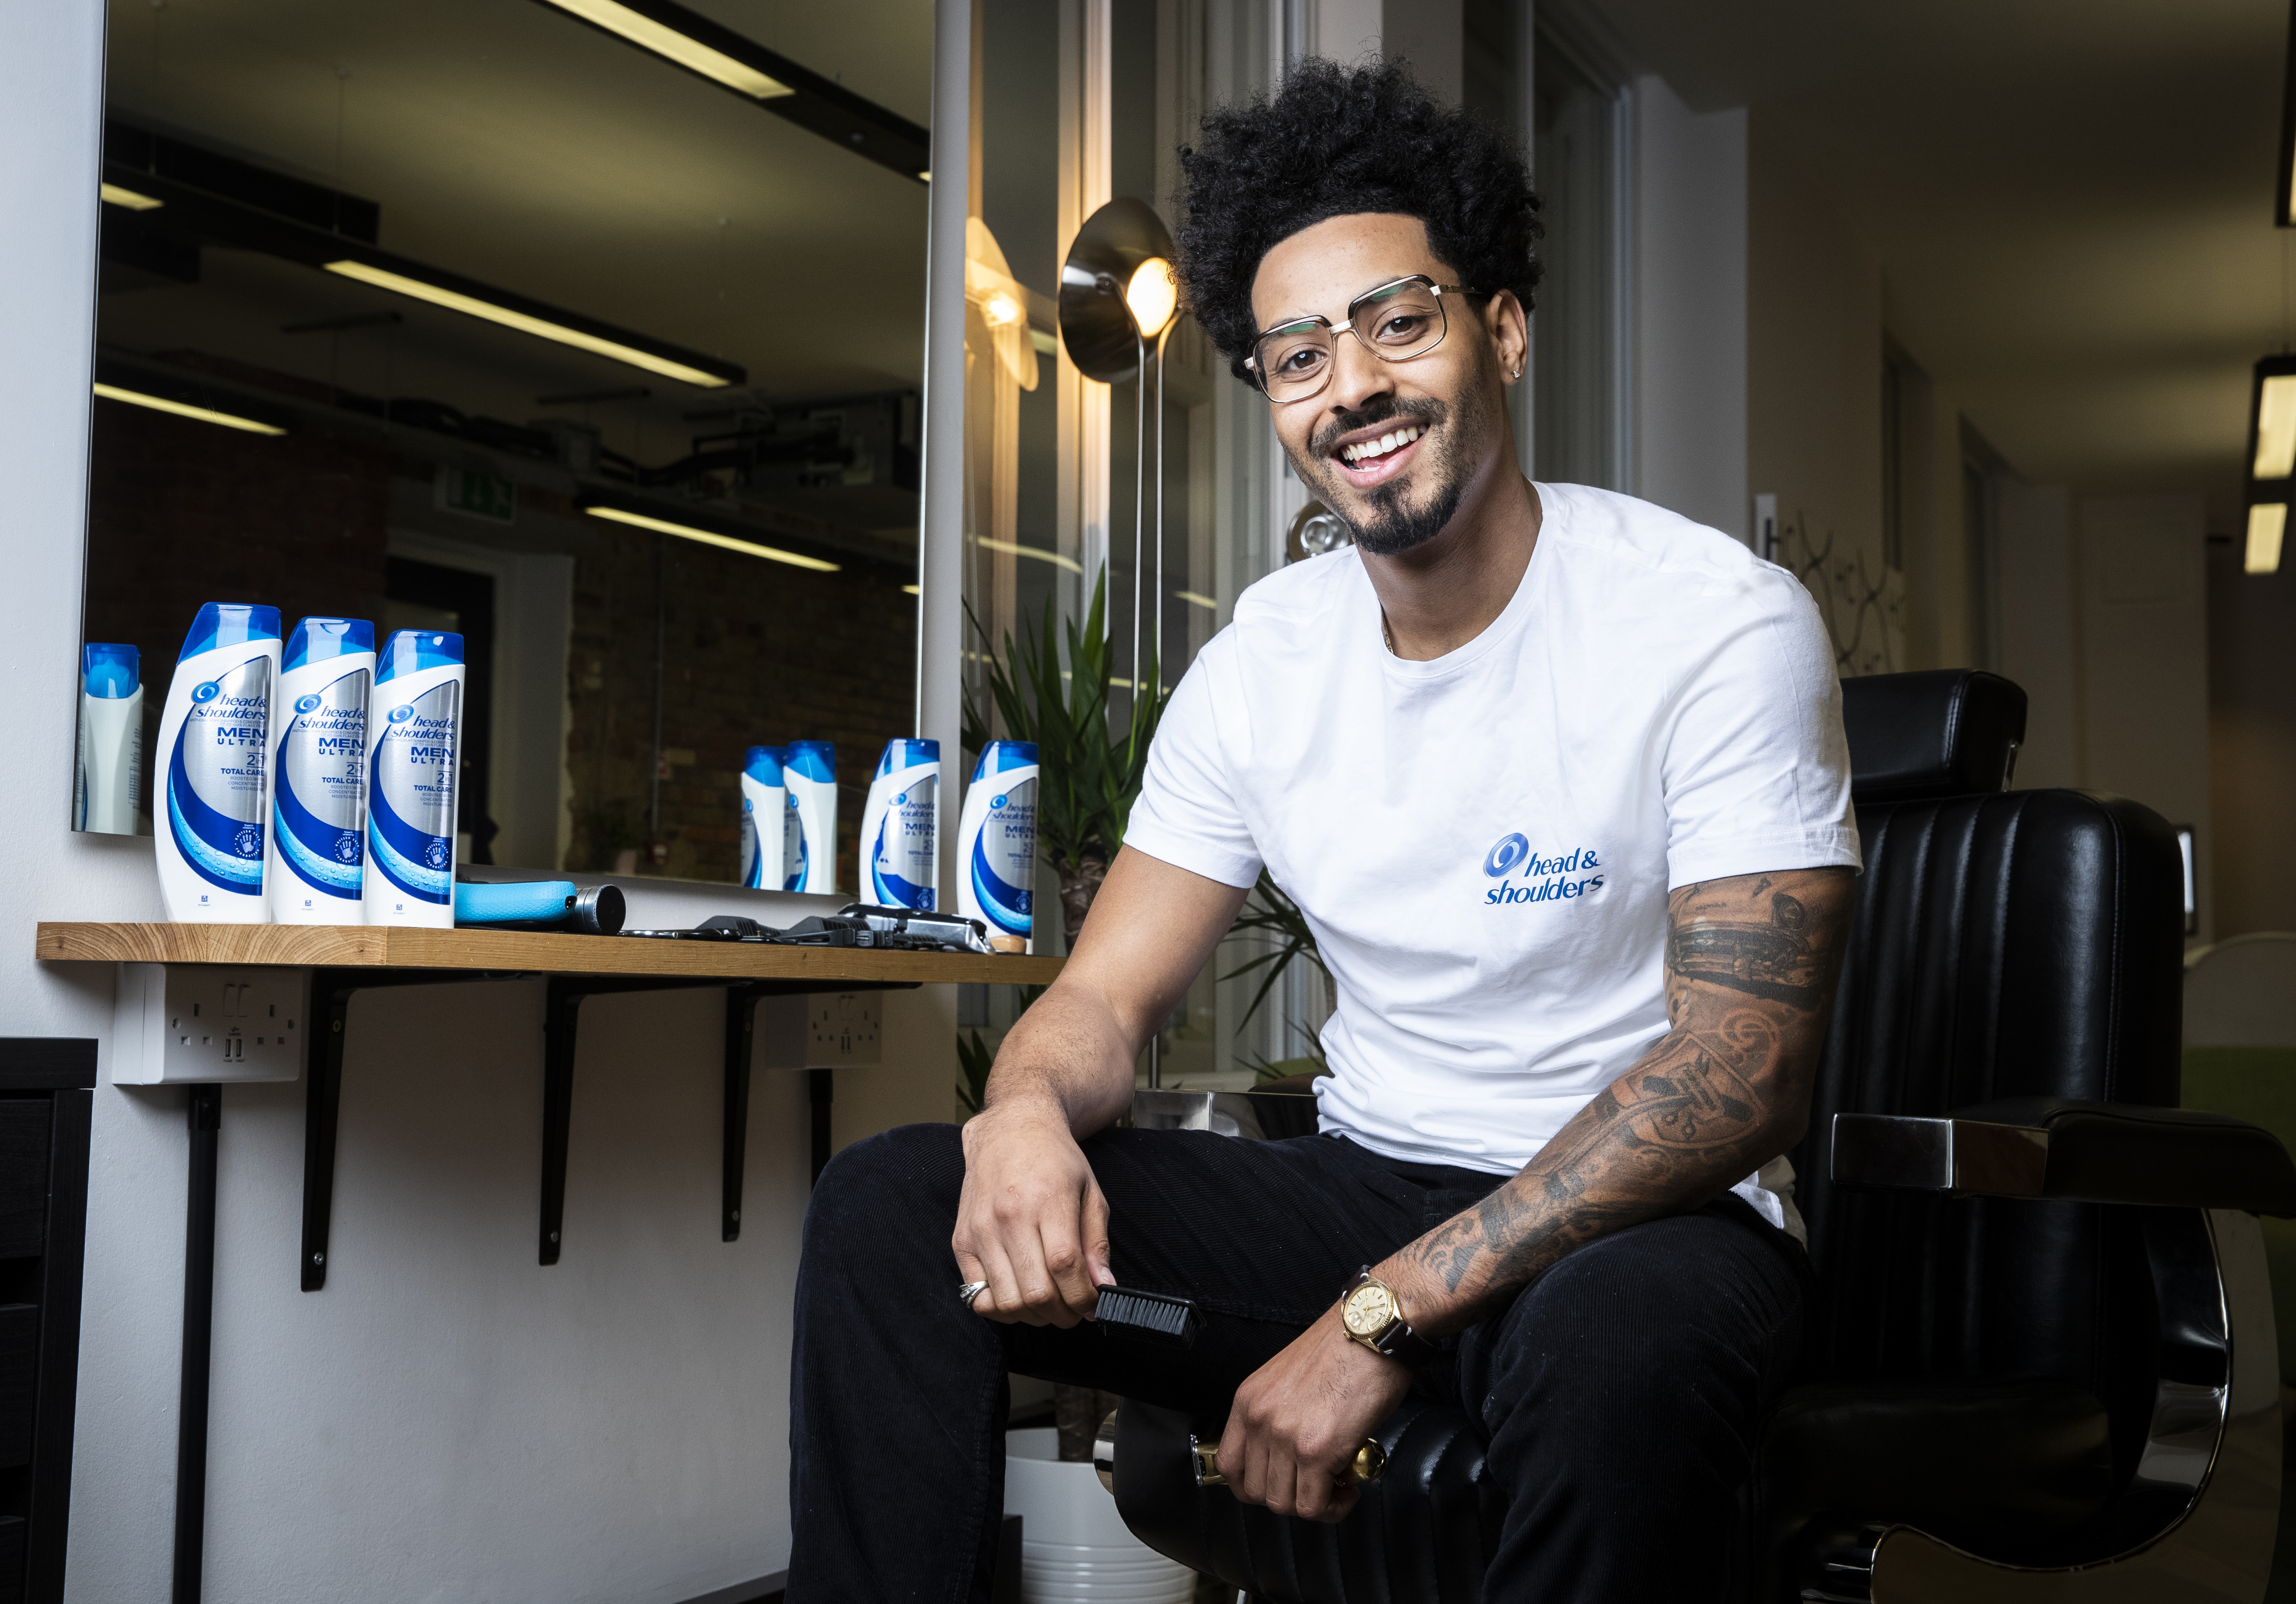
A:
x,y
2043,1366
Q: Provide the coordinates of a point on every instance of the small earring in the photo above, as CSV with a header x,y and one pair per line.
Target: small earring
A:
x,y
1517,374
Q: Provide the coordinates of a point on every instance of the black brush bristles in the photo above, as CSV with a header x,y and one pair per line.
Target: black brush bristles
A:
x,y
1146,1316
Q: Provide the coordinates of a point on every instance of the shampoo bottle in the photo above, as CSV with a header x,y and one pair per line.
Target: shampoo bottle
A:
x,y
318,774
415,742
212,796
900,825
996,845
810,772
765,820
110,773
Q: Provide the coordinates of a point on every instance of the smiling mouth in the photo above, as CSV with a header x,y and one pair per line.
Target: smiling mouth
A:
x,y
1370,453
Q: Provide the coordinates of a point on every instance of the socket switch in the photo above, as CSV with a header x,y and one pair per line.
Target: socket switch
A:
x,y
820,1030
176,1023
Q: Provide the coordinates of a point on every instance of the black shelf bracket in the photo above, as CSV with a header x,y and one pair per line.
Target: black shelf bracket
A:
x,y
329,1022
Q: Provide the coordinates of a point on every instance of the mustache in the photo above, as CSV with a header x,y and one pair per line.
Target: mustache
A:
x,y
1379,409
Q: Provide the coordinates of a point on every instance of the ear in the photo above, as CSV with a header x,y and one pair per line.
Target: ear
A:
x,y
1510,332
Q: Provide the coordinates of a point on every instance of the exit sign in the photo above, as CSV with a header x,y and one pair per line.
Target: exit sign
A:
x,y
475,493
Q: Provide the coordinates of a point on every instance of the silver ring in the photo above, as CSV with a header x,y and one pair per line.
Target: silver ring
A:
x,y
969,1290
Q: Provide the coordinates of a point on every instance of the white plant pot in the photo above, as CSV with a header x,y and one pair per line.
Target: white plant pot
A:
x,y
1074,1547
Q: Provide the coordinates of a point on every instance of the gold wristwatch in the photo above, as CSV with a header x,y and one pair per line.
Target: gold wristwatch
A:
x,y
1374,1318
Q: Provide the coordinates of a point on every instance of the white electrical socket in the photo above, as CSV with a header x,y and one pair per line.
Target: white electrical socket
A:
x,y
173,1024
822,1029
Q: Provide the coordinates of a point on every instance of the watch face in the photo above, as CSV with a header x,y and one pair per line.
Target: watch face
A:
x,y
1368,1311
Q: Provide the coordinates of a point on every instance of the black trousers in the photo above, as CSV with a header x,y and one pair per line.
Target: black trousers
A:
x,y
1621,1391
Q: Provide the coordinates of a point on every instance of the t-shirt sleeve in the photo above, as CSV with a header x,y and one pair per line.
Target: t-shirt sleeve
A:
x,y
1756,768
1188,814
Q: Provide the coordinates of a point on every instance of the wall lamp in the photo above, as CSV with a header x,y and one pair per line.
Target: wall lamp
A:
x,y
710,50
2271,462
1118,296
707,537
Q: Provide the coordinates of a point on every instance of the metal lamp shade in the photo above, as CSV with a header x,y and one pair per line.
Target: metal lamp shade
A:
x,y
1096,325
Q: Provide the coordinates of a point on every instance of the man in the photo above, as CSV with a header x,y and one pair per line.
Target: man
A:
x,y
1558,778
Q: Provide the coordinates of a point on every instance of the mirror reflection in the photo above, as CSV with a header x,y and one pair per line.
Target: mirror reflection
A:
x,y
601,352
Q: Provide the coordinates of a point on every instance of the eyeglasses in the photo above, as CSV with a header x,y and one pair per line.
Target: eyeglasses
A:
x,y
1395,323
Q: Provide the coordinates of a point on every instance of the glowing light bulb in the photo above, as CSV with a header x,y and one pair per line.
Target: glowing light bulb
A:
x,y
1000,310
1154,295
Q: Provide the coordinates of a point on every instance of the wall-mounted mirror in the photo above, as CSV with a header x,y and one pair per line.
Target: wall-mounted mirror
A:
x,y
591,332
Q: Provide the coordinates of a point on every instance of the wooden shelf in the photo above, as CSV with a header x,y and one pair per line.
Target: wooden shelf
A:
x,y
522,952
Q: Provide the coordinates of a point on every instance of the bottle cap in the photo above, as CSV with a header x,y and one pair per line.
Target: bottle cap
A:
x,y
317,640
230,624
411,651
763,764
109,672
815,760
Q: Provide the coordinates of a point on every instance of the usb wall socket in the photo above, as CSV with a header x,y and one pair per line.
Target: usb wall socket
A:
x,y
173,1024
820,1030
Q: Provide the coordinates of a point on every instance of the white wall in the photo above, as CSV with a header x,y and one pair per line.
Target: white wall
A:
x,y
2040,630
1689,197
447,1420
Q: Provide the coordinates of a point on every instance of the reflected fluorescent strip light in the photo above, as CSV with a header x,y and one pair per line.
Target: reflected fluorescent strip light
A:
x,y
2276,427
686,531
2267,524
1018,550
120,195
913,591
455,301
1195,600
205,414
670,45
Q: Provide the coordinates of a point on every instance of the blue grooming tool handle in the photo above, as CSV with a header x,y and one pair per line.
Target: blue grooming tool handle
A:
x,y
524,902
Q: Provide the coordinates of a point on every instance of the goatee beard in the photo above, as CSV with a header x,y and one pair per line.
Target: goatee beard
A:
x,y
1384,524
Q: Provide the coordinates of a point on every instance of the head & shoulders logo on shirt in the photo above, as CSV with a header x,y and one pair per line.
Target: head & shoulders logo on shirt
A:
x,y
1529,876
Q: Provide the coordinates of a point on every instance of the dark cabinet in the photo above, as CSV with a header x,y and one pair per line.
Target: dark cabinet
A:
x,y
46,1099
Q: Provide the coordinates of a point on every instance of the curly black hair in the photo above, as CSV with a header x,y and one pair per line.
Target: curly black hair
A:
x,y
1335,141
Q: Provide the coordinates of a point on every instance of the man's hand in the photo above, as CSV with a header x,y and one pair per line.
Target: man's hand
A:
x,y
1299,1417
1031,1221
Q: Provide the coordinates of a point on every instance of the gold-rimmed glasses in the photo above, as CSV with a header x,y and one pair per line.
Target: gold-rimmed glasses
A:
x,y
1396,322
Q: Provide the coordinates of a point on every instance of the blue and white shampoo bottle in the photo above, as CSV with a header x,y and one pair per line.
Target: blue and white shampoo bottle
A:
x,y
318,774
414,748
213,795
899,827
767,825
996,845
110,773
810,772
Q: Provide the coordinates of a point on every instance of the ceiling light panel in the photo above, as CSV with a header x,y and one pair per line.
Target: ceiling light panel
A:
x,y
2268,525
204,414
686,531
2276,427
681,48
438,295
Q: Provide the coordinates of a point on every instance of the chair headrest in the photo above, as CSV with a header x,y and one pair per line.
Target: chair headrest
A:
x,y
1937,733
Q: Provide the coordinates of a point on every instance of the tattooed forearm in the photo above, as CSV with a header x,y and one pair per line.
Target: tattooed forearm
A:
x,y
1750,965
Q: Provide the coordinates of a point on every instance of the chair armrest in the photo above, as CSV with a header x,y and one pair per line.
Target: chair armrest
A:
x,y
2054,1148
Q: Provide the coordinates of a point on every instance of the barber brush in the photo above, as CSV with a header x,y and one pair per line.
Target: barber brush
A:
x,y
1155,1317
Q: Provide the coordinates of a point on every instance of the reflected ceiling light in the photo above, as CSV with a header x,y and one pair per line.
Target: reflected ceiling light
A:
x,y
1154,295
205,414
1037,552
525,323
2267,524
119,195
1196,600
913,591
1000,311
686,531
667,42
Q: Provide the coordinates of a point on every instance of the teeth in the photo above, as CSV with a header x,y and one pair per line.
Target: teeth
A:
x,y
1365,450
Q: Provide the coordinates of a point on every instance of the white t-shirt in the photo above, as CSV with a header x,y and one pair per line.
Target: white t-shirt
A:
x,y
1484,844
